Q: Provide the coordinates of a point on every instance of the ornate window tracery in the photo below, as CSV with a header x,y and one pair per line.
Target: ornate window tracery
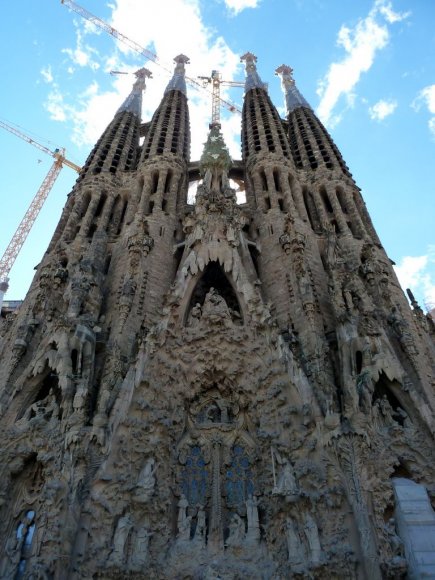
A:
x,y
194,477
239,485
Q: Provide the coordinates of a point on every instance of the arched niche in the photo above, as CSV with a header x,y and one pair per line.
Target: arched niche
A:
x,y
213,279
42,393
391,392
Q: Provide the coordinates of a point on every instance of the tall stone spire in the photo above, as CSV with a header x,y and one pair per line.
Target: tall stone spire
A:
x,y
169,130
133,103
293,98
311,145
259,111
117,146
253,80
178,80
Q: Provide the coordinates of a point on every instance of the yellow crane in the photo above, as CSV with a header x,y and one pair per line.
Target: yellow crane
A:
x,y
21,233
216,98
216,81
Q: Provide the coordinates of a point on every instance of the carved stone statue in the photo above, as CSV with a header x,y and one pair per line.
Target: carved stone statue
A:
x,y
119,540
236,531
286,481
253,533
140,551
184,521
200,530
386,410
146,482
312,534
295,547
195,315
83,293
215,308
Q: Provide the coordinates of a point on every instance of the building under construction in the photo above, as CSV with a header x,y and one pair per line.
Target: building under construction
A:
x,y
216,390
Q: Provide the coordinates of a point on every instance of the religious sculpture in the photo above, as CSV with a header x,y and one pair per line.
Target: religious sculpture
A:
x,y
146,482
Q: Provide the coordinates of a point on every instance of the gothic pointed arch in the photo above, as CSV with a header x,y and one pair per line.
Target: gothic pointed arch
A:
x,y
214,290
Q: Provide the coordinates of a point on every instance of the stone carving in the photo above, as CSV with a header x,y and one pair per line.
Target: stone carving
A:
x,y
140,551
184,520
201,527
128,291
237,532
253,533
312,534
215,310
45,410
195,315
146,482
285,482
122,531
295,548
83,294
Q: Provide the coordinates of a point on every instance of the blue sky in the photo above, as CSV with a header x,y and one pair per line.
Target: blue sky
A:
x,y
366,66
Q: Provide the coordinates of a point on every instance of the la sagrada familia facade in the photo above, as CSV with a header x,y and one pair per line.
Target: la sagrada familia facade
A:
x,y
216,390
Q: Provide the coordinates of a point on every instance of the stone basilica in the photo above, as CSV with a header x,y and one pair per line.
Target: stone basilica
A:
x,y
216,390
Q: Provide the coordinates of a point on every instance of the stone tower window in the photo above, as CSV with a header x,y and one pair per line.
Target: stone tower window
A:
x,y
276,180
168,182
326,200
311,209
100,205
263,180
341,199
155,182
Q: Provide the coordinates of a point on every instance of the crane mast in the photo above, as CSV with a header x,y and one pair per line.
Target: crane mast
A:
x,y
216,81
21,233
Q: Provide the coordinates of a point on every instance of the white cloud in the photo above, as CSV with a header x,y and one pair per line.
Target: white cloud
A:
x,y
164,36
418,274
386,9
237,6
82,54
427,97
361,44
382,109
55,104
47,74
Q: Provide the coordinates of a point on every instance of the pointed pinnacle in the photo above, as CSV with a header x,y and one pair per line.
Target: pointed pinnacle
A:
x,y
133,103
293,98
178,81
253,80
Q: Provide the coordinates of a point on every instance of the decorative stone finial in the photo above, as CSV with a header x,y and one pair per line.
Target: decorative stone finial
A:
x,y
293,98
133,103
253,80
178,81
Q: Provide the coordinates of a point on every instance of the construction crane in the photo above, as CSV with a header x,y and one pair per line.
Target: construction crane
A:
x,y
20,235
143,51
216,81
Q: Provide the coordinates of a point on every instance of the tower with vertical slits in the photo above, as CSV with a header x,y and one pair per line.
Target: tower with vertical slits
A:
x,y
217,389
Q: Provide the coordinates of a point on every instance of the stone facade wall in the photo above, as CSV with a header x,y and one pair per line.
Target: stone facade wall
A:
x,y
218,390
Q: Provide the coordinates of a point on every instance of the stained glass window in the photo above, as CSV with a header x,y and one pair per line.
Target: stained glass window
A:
x,y
194,477
239,482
